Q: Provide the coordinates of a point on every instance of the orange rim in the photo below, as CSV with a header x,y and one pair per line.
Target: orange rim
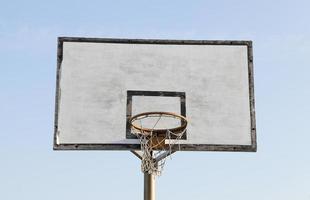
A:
x,y
147,131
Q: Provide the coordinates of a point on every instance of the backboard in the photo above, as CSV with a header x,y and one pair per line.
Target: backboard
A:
x,y
101,83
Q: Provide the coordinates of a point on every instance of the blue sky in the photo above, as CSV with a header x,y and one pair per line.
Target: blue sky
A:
x,y
29,169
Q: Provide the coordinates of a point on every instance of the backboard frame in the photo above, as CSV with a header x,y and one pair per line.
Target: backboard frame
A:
x,y
183,147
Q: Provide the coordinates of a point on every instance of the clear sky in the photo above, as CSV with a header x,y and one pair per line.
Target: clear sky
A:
x,y
30,169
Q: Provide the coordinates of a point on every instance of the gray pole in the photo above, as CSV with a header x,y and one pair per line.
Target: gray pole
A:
x,y
149,186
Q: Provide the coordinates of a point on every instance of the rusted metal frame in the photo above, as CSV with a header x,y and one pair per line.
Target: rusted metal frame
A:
x,y
181,147
252,96
163,155
58,91
137,153
155,41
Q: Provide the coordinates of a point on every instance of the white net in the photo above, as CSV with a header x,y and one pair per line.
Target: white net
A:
x,y
155,147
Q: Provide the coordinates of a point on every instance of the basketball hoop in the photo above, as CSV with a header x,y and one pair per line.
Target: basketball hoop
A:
x,y
154,141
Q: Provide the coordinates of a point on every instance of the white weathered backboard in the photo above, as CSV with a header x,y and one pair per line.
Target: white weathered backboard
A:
x,y
103,82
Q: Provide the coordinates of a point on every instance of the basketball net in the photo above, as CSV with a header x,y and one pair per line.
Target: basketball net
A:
x,y
154,145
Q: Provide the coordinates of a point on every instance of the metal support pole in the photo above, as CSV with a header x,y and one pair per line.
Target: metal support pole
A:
x,y
149,186
149,180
